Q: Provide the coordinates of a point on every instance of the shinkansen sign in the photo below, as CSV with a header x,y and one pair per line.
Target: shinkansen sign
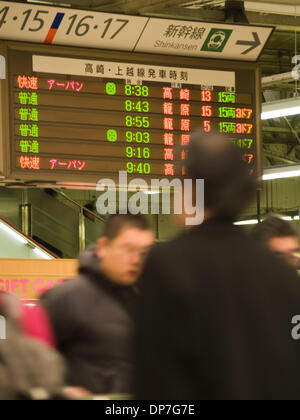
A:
x,y
63,26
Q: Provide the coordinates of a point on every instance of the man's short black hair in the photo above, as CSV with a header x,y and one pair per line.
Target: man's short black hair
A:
x,y
273,227
118,222
228,185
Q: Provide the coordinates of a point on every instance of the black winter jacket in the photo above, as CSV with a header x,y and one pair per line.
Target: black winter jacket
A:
x,y
93,323
215,320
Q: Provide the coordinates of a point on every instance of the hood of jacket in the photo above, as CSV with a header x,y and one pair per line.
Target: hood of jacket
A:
x,y
89,262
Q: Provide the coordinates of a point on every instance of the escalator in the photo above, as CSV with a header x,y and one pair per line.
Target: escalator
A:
x,y
52,219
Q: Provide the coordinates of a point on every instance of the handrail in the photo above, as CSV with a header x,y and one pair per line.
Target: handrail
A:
x,y
30,241
82,208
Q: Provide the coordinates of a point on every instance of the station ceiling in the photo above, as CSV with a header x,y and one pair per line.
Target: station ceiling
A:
x,y
281,136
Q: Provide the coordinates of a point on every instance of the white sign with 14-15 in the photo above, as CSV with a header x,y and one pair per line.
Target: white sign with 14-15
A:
x,y
63,26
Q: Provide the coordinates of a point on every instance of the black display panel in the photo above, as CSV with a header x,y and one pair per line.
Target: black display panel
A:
x,y
112,112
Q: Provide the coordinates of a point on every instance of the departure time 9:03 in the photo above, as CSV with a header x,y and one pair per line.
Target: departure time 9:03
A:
x,y
139,137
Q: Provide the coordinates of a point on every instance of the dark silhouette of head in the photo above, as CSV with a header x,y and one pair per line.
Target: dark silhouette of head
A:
x,y
273,227
229,187
280,237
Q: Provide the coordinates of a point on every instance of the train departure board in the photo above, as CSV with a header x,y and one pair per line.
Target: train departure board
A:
x,y
79,116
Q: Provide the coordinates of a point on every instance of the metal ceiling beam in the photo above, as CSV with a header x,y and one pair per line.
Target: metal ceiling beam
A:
x,y
282,23
84,4
125,6
293,130
137,6
286,23
144,6
283,2
279,158
277,79
206,15
280,130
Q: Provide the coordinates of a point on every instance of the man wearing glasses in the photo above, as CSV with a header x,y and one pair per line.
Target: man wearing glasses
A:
x,y
93,314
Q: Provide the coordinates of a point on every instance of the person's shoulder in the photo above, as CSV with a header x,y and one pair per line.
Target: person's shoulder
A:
x,y
172,252
163,248
70,300
181,242
66,290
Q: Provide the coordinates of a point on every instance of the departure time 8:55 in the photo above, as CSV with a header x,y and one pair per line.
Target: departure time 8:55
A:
x,y
139,122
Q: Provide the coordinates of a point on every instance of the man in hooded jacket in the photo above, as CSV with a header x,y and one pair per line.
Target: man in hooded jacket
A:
x,y
93,314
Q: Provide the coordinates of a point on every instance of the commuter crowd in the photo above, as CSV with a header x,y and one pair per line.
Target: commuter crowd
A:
x,y
207,316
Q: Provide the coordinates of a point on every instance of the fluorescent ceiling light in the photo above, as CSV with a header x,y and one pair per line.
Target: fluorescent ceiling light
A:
x,y
246,222
283,108
48,3
13,233
151,192
291,218
255,221
289,171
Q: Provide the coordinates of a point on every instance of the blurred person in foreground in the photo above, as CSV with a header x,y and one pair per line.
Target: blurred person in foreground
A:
x,y
215,317
93,314
280,237
29,368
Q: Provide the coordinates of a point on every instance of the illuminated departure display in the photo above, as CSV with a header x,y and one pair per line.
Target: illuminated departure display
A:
x,y
78,118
